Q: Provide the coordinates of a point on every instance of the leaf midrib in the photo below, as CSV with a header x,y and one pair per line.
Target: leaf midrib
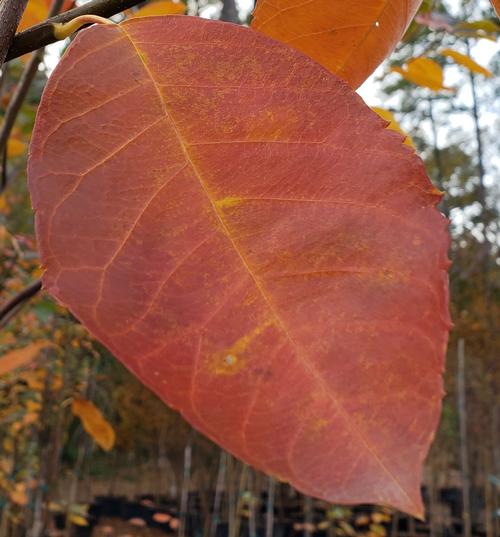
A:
x,y
306,362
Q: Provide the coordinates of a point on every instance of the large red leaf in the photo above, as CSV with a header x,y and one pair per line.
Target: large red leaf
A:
x,y
496,6
235,224
349,38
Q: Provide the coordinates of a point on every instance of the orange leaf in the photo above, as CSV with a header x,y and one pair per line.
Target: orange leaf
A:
x,y
466,61
241,230
21,357
393,124
18,495
496,6
37,11
34,379
161,8
423,72
94,423
349,38
161,518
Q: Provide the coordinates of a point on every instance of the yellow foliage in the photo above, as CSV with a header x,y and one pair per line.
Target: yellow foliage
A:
x,y
30,418
18,495
57,383
466,61
423,72
4,206
34,379
15,148
393,124
36,11
485,28
94,423
33,406
20,357
78,520
165,7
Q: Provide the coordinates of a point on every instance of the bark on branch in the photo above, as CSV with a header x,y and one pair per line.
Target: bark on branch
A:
x,y
43,34
11,12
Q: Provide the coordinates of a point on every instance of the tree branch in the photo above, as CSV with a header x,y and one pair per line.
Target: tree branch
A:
x,y
17,100
12,305
43,34
11,12
229,12
19,96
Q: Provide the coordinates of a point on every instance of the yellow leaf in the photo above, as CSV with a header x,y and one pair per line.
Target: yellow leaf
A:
x,y
20,357
36,11
94,423
56,507
33,406
15,148
18,495
78,520
423,72
4,206
350,38
57,383
393,124
34,379
466,61
166,7
30,418
486,25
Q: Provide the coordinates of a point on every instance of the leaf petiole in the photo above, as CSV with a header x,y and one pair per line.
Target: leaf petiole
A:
x,y
64,30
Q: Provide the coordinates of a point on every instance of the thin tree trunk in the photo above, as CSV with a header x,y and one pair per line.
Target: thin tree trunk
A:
x,y
434,522
219,486
477,132
231,497
229,11
308,516
270,507
252,529
438,161
486,218
242,484
186,485
488,499
464,455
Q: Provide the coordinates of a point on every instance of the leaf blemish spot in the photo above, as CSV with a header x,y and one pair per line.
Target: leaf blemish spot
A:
x,y
228,202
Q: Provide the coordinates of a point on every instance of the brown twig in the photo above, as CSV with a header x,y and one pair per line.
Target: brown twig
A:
x,y
11,12
17,301
3,170
43,34
19,96
17,100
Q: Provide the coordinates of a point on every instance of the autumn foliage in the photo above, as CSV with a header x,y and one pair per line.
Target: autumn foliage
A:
x,y
218,208
349,38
